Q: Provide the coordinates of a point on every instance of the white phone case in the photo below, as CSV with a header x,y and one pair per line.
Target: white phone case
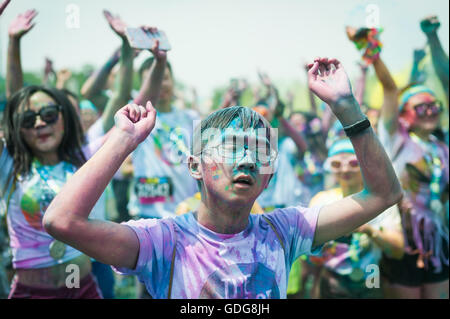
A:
x,y
139,39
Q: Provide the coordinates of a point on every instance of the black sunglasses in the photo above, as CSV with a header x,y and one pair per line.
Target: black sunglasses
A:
x,y
49,114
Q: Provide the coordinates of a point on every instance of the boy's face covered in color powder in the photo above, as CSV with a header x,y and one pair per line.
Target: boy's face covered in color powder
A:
x,y
236,165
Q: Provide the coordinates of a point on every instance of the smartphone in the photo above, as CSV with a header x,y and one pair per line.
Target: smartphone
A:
x,y
140,39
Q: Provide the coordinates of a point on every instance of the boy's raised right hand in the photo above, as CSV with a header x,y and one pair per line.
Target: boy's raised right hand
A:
x,y
135,122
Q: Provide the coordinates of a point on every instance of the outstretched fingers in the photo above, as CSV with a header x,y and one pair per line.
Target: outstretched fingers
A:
x,y
313,68
108,16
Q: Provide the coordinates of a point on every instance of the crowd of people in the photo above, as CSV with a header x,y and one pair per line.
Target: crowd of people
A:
x,y
249,201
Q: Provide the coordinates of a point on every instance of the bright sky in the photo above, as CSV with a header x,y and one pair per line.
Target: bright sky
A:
x,y
214,41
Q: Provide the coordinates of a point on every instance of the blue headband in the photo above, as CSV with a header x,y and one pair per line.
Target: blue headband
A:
x,y
341,146
410,92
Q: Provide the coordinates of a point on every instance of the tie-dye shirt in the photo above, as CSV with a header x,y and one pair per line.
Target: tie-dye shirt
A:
x,y
429,227
29,242
161,176
249,265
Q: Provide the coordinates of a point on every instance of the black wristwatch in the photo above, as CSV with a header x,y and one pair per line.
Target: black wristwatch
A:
x,y
357,128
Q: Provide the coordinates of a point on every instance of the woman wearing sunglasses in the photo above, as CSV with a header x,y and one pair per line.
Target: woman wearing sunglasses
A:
x,y
406,128
347,266
421,162
42,149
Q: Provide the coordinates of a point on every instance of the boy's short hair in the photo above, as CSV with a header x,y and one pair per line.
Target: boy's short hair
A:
x,y
222,119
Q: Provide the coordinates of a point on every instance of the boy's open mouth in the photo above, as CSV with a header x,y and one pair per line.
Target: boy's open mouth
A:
x,y
243,180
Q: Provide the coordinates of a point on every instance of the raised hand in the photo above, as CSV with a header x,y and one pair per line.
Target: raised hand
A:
x,y
430,24
4,5
136,121
157,53
22,24
265,79
48,69
116,24
64,75
419,54
329,81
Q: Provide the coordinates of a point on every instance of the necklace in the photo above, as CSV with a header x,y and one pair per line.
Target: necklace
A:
x,y
431,155
57,249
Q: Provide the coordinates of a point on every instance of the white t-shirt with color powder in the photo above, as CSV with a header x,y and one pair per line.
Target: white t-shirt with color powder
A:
x,y
161,176
30,243
249,265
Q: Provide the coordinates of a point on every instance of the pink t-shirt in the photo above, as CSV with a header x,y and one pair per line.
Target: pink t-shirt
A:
x,y
249,265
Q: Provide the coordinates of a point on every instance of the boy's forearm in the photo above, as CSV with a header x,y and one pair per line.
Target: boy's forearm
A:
x,y
379,177
14,75
381,186
151,87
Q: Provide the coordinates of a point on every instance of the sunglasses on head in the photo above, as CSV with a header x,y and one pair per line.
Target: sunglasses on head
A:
x,y
49,114
422,108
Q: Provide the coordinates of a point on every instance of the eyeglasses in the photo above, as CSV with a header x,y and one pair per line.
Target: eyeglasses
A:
x,y
337,165
422,109
228,153
49,114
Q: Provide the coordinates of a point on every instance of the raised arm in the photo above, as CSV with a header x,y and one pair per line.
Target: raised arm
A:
x,y
367,38
389,109
4,5
124,82
62,78
312,100
18,28
151,85
66,218
288,129
429,26
96,83
360,86
417,76
328,80
48,72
